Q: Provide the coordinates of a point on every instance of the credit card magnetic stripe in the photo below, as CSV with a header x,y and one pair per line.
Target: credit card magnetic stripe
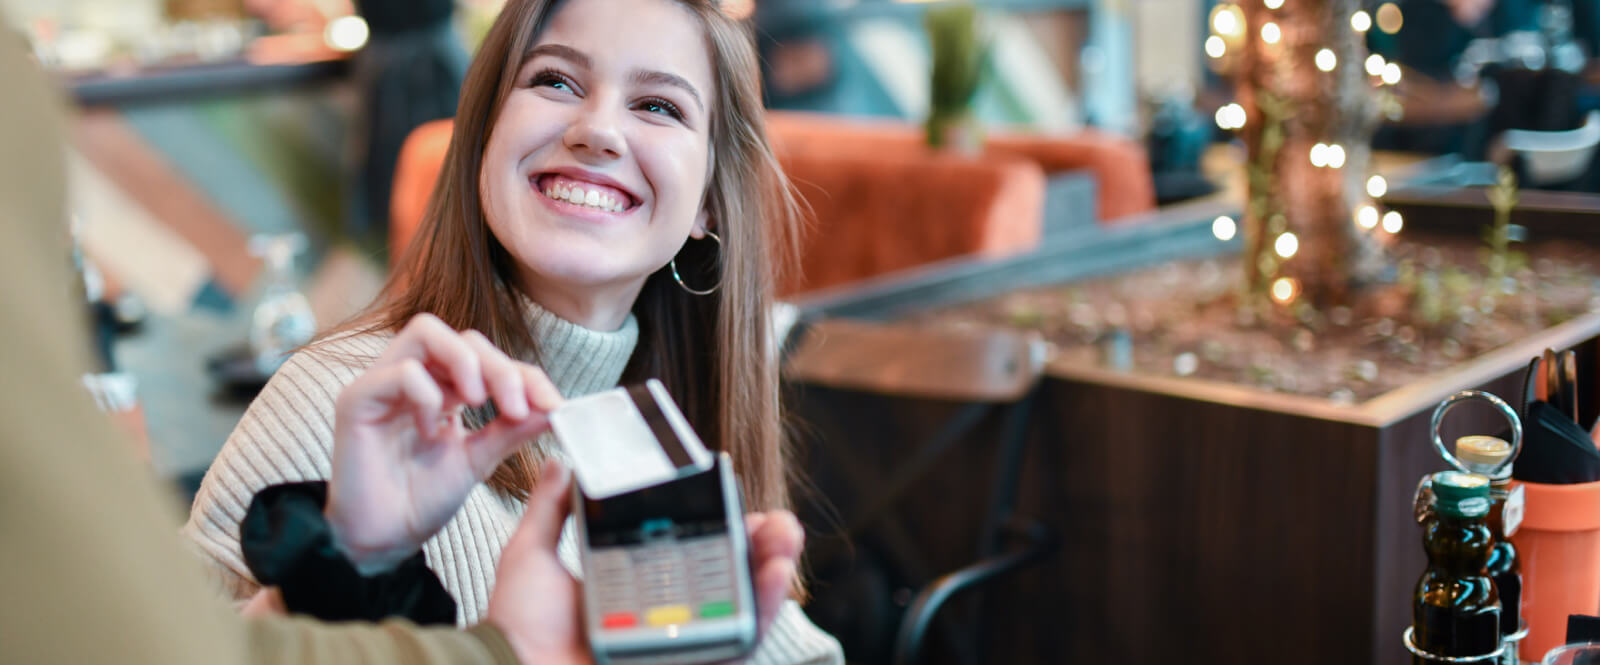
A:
x,y
673,446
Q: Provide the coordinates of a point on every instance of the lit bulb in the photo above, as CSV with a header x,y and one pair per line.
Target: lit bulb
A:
x,y
1224,228
1224,120
1374,64
1326,60
1270,33
1234,114
1319,155
1215,47
1226,21
1389,18
1391,73
1367,217
1335,156
1286,245
1392,222
346,33
1377,186
1284,289
1361,21
1272,4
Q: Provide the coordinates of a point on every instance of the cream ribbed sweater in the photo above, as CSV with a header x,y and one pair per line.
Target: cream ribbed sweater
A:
x,y
287,435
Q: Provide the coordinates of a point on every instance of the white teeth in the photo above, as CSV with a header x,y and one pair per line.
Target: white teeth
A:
x,y
592,198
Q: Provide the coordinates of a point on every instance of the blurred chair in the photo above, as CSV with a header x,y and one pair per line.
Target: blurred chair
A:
x,y
1121,169
1552,158
868,214
415,173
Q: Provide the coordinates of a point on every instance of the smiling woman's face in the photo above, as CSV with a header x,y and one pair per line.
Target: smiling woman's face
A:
x,y
595,171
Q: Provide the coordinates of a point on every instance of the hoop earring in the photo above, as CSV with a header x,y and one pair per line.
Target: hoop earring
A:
x,y
679,279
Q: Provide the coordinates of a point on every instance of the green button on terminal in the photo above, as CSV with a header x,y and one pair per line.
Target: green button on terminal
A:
x,y
714,610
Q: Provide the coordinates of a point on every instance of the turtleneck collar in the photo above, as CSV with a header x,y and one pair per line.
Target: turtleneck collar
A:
x,y
578,360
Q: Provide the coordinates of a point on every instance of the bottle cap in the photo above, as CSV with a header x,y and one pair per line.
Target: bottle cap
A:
x,y
1481,453
1457,494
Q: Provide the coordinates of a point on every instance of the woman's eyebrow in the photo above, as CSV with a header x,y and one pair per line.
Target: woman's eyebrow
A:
x,y
562,51
651,77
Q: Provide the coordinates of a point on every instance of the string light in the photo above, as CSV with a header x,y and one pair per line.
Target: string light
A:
x,y
1224,228
1286,245
1361,21
1231,116
1326,60
1227,21
346,33
1270,33
1272,4
1377,186
1284,289
1391,73
1319,155
1374,65
1215,47
1392,223
1367,217
1335,156
1389,18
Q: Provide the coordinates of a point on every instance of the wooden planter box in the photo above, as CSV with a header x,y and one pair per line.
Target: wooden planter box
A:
x,y
1201,522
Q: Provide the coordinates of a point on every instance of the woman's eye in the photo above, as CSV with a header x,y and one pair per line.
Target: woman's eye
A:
x,y
552,80
660,106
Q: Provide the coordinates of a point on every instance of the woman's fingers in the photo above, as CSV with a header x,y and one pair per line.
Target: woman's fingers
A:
x,y
425,397
405,386
430,341
501,374
543,396
491,445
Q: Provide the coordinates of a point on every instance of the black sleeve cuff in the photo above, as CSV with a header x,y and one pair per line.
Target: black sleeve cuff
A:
x,y
287,543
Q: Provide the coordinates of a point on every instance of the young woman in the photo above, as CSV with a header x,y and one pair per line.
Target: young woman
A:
x,y
610,210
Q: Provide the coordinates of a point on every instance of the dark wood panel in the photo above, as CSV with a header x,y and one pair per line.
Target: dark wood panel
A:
x,y
1197,532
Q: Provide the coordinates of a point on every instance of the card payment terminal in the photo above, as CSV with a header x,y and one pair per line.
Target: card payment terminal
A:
x,y
667,572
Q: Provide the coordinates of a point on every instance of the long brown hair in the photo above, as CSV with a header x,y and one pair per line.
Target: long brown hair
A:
x,y
714,353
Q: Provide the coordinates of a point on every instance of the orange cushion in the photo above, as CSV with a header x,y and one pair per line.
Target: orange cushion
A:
x,y
1121,167
874,214
415,173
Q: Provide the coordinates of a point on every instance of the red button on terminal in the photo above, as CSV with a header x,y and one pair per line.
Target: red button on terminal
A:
x,y
619,620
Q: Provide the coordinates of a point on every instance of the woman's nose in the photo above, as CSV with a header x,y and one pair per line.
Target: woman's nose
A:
x,y
595,135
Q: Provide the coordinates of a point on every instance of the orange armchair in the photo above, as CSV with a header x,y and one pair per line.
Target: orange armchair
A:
x,y
415,173
1121,168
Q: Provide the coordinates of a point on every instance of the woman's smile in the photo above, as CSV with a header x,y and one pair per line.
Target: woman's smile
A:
x,y
579,193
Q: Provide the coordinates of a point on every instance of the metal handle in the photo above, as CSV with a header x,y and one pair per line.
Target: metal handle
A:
x,y
1504,468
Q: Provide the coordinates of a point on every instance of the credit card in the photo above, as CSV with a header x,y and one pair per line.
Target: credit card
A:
x,y
626,439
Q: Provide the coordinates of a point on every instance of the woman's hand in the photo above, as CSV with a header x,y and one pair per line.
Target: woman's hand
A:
x,y
403,460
